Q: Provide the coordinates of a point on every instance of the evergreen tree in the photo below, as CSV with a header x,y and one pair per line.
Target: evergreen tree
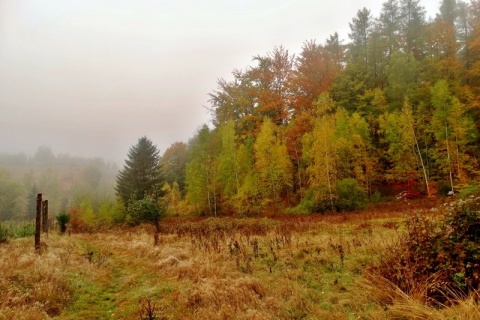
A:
x,y
141,174
413,27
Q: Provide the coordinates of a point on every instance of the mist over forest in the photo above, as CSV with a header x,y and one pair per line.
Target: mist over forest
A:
x,y
341,181
393,110
62,179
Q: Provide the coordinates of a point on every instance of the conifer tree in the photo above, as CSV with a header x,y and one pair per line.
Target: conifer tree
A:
x,y
141,174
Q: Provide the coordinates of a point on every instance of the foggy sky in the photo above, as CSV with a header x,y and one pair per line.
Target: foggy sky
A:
x,y
90,77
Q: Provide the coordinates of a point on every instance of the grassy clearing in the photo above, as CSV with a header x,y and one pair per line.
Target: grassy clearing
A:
x,y
310,267
16,229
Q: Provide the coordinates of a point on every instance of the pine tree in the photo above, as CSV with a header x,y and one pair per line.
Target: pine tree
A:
x,y
141,174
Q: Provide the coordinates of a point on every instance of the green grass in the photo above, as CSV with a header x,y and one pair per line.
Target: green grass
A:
x,y
17,229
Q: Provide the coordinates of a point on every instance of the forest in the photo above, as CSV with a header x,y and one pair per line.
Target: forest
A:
x,y
66,181
393,111
341,124
249,217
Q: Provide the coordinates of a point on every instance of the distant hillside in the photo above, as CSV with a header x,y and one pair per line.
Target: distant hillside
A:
x,y
62,179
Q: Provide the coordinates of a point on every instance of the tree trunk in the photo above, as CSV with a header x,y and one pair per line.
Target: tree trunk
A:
x,y
328,176
448,157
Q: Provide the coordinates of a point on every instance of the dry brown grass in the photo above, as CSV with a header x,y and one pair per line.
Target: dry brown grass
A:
x,y
399,305
280,268
34,286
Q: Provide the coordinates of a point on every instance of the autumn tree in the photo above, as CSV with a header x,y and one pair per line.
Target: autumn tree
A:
x,y
202,173
454,130
315,70
319,152
271,88
173,163
234,100
272,164
228,165
411,137
473,62
354,152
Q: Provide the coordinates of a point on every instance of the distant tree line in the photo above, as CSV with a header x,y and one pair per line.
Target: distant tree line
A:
x,y
65,180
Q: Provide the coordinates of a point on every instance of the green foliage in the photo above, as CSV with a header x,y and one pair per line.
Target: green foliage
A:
x,y
141,174
470,191
376,196
444,253
201,172
173,163
23,230
148,210
63,219
349,195
401,72
17,229
272,164
107,213
311,203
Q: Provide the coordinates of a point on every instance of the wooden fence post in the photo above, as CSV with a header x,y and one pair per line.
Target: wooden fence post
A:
x,y
45,217
38,222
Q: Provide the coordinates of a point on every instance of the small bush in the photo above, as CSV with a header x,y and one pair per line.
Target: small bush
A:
x,y
376,197
350,196
306,206
442,256
25,230
347,196
470,191
62,219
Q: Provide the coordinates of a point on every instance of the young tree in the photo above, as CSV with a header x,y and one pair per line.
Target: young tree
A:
x,y
228,166
400,148
272,162
141,174
201,172
149,209
409,132
320,151
454,131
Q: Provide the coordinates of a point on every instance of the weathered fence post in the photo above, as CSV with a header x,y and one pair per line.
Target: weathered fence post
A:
x,y
38,222
45,217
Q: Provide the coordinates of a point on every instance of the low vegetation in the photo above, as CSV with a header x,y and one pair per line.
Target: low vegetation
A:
x,y
437,259
288,267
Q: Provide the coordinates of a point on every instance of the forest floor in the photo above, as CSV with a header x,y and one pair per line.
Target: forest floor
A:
x,y
290,267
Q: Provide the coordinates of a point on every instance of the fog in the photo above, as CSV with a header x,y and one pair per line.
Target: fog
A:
x,y
90,77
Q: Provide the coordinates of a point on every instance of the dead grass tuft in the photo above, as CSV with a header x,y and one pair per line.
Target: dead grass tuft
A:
x,y
33,286
230,296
